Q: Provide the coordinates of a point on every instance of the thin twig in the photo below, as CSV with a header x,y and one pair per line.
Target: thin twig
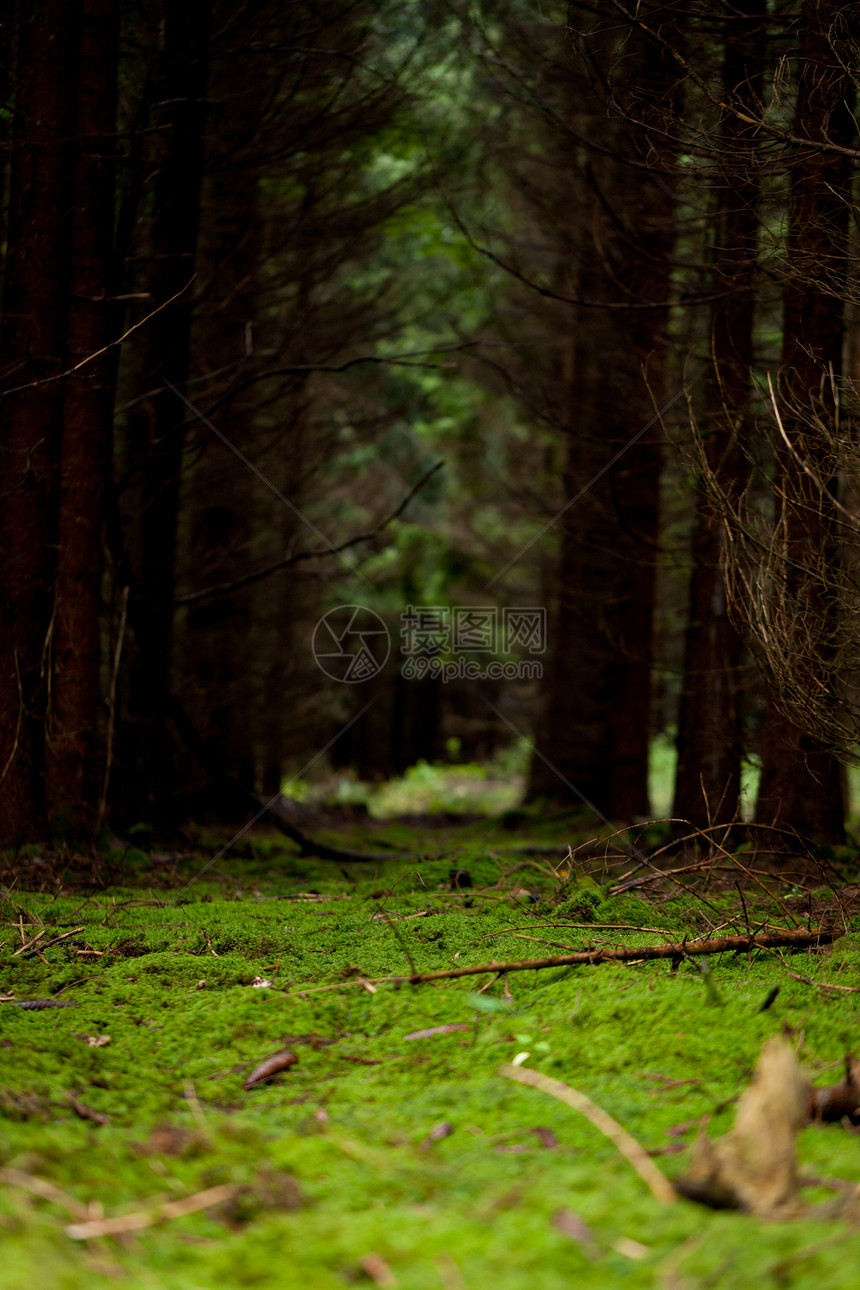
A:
x,y
224,588
797,938
638,1157
112,709
61,376
47,944
41,1187
11,756
146,1217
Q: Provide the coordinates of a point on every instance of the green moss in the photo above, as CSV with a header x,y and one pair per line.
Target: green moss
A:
x,y
334,1158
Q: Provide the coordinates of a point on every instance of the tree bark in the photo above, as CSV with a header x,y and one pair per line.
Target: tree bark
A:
x,y
801,782
33,340
156,425
75,766
597,723
710,743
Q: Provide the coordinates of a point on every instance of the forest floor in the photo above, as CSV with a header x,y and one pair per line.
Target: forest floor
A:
x,y
394,1151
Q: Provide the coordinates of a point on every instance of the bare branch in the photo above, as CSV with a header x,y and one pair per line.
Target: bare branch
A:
x,y
224,588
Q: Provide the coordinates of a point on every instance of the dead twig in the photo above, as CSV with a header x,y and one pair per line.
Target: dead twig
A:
x,y
795,938
225,588
146,1217
18,721
44,1189
46,944
85,1112
117,655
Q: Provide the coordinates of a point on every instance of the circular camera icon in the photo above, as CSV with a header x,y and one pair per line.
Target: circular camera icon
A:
x,y
351,644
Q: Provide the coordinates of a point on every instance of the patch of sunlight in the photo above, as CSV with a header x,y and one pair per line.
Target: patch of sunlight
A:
x,y
662,760
468,788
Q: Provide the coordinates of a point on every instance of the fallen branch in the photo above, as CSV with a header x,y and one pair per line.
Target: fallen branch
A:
x,y
796,938
793,938
632,1151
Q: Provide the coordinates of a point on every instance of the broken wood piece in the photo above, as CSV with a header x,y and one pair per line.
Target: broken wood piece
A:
x,y
576,1228
38,1005
375,1267
753,1167
839,1101
436,1134
623,1141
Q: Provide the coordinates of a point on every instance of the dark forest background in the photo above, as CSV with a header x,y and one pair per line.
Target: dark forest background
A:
x,y
266,265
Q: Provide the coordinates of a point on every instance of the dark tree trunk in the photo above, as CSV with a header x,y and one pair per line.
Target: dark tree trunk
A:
x,y
597,724
801,782
710,745
75,766
156,425
221,499
33,348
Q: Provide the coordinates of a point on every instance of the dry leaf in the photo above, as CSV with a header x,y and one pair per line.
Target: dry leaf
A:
x,y
631,1249
570,1224
268,1069
436,1134
375,1267
545,1137
438,1030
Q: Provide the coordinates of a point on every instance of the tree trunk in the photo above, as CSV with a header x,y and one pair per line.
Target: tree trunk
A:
x,y
75,767
597,723
33,347
801,782
156,425
710,747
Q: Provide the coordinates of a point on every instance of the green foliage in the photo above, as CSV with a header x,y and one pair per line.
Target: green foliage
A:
x,y
484,788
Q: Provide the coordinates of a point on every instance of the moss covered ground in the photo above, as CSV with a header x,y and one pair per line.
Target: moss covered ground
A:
x,y
378,1157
